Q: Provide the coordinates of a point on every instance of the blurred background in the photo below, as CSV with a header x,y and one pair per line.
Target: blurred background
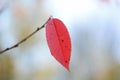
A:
x,y
94,27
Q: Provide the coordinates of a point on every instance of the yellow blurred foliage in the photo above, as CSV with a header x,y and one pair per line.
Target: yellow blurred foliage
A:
x,y
6,68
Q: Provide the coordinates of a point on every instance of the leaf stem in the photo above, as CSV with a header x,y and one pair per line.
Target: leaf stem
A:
x,y
26,38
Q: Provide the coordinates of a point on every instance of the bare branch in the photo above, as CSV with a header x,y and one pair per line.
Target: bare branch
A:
x,y
26,38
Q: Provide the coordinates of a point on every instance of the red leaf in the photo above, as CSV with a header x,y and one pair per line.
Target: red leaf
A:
x,y
59,42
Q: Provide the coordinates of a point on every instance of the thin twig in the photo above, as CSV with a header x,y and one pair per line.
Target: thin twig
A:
x,y
23,40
